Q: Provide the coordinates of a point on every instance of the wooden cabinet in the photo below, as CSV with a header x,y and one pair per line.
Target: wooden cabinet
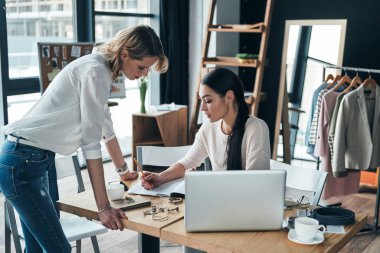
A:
x,y
160,128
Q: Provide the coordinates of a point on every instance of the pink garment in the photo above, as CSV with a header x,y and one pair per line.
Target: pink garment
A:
x,y
334,186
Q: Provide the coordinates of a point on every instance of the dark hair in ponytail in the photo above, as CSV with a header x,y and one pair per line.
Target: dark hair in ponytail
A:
x,y
222,80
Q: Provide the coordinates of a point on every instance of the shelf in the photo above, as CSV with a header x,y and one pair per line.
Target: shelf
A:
x,y
229,61
159,128
250,28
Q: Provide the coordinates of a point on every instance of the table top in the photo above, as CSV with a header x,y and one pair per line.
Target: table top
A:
x,y
259,241
173,229
83,204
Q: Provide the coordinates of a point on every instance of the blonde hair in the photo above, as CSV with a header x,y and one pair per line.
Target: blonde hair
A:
x,y
140,41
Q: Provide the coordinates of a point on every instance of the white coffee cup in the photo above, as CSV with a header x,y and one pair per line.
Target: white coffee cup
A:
x,y
115,191
307,228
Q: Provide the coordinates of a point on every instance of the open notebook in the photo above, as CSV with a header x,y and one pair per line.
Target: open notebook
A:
x,y
175,186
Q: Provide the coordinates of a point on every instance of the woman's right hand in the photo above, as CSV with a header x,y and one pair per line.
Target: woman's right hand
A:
x,y
151,180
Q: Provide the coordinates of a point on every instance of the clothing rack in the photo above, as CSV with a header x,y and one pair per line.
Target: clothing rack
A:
x,y
375,227
369,71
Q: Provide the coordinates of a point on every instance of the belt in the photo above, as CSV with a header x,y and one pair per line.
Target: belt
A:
x,y
21,140
333,216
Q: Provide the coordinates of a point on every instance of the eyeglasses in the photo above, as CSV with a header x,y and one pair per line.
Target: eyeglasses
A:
x,y
302,202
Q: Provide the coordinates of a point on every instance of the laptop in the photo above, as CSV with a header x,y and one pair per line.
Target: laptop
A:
x,y
234,200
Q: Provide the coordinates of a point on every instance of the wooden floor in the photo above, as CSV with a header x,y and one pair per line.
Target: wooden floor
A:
x,y
126,241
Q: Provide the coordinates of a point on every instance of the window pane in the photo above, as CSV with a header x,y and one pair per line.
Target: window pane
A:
x,y
20,104
131,6
106,27
29,22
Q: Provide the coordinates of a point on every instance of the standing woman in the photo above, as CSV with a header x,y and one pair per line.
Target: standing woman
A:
x,y
72,113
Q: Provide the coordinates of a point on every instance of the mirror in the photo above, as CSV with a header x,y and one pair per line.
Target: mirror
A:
x,y
308,46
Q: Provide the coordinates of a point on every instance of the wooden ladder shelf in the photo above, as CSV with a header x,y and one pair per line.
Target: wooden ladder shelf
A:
x,y
260,28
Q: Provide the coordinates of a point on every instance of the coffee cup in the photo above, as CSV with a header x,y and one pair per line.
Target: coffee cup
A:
x,y
307,228
115,191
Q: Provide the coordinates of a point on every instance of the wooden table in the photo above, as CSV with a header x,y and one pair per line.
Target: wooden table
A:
x,y
83,204
173,230
250,242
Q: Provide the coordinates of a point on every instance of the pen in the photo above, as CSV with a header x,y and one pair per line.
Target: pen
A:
x,y
138,165
142,173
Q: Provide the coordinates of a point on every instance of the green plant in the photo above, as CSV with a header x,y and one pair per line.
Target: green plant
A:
x,y
247,56
143,86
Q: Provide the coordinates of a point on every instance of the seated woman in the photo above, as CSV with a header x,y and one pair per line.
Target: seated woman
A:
x,y
231,138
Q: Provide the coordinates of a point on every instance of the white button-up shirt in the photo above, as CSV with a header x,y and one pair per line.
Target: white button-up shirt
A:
x,y
72,112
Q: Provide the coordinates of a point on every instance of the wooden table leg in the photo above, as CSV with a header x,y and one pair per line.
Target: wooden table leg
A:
x,y
148,244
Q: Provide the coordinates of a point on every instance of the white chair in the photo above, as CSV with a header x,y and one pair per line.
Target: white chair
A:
x,y
302,181
75,228
160,156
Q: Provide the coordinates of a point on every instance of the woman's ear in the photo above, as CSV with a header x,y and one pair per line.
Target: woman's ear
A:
x,y
124,54
230,95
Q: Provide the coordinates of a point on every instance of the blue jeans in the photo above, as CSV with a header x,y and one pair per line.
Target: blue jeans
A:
x,y
29,182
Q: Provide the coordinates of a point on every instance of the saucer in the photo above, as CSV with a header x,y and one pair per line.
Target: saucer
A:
x,y
319,238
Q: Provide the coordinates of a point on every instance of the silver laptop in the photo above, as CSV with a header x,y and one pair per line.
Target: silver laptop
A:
x,y
234,200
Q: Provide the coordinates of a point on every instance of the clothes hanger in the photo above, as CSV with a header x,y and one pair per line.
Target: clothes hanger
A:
x,y
329,77
369,81
345,79
336,79
355,81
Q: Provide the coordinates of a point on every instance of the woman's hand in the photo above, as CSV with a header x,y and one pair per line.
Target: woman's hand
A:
x,y
151,180
131,175
110,218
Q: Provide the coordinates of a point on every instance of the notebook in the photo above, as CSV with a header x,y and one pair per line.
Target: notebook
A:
x,y
168,189
234,200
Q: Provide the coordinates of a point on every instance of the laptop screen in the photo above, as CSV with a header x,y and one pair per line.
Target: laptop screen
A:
x,y
234,200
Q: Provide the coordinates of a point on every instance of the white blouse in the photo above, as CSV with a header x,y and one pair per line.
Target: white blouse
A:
x,y
72,112
211,142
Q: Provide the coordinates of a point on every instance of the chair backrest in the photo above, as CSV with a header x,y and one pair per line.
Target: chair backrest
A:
x,y
69,166
303,179
160,156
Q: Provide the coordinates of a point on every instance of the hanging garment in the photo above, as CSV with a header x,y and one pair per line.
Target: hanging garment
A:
x,y
310,147
357,134
327,109
332,130
334,186
311,130
314,122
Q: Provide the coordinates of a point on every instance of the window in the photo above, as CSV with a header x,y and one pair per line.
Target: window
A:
x,y
30,21
123,6
110,17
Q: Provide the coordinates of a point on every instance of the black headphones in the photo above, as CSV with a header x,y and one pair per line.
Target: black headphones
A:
x,y
333,216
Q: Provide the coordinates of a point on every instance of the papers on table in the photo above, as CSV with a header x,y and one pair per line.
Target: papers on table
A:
x,y
177,186
335,229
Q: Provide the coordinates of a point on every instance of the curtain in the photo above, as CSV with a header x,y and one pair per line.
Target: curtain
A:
x,y
174,34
